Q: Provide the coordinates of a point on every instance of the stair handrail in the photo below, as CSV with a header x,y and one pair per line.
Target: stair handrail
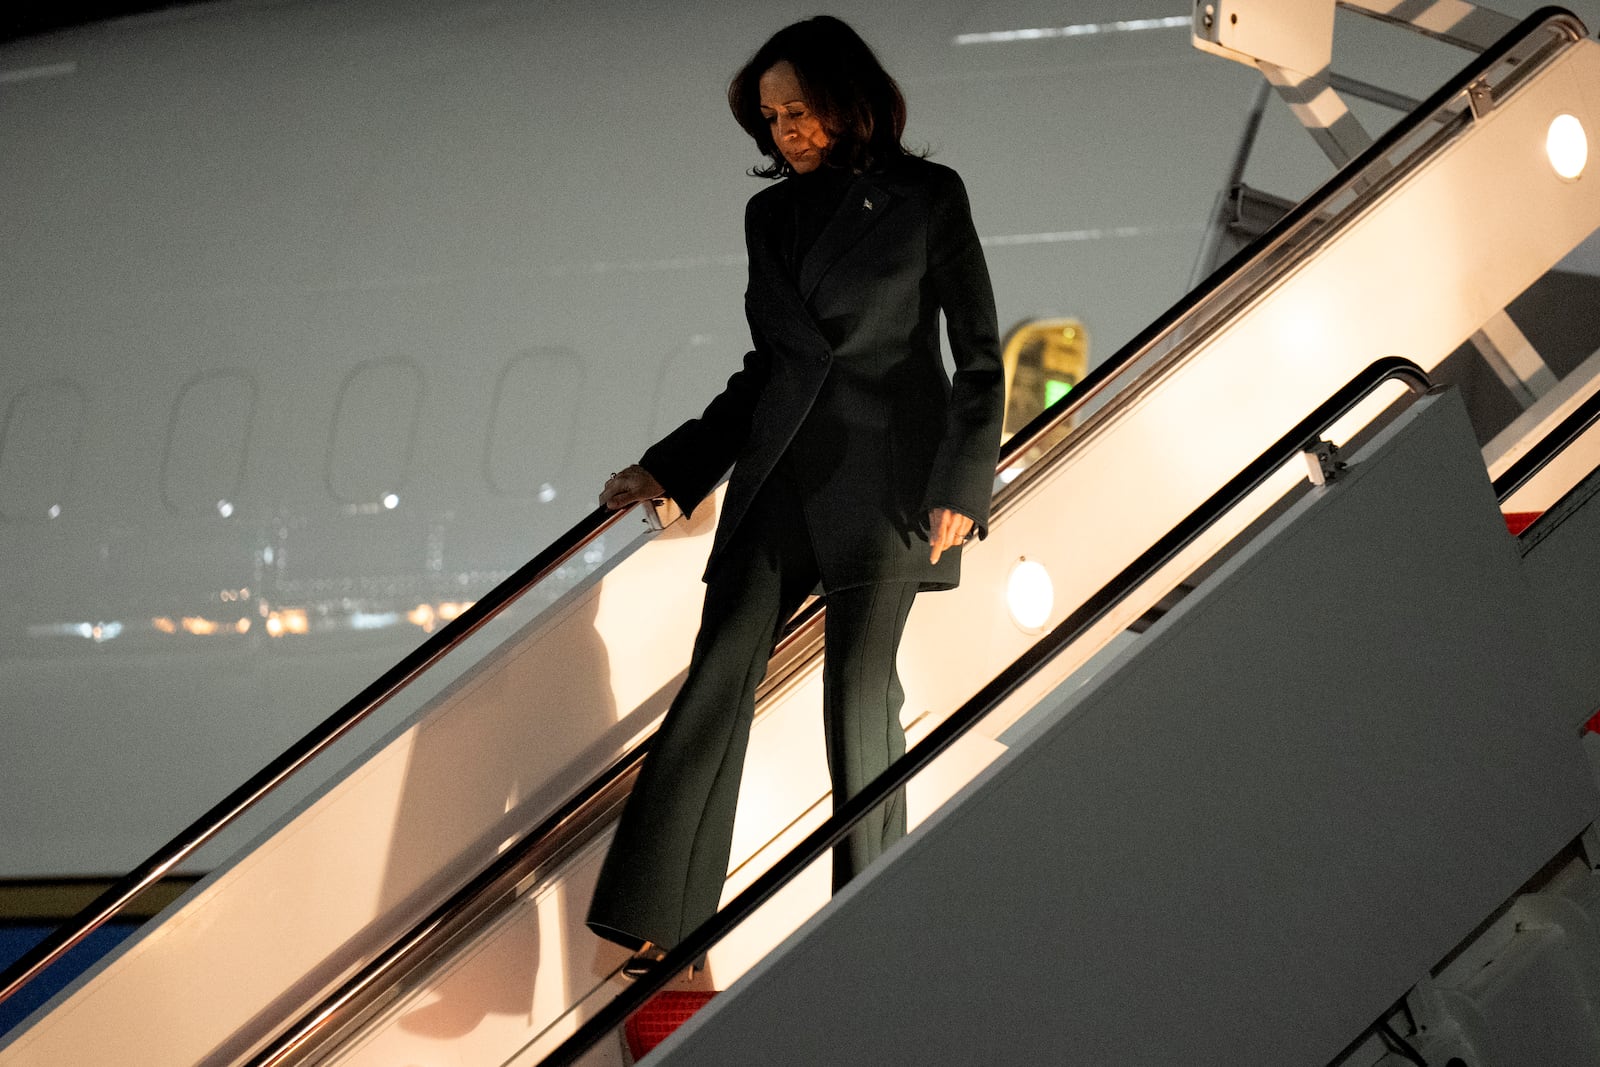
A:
x,y
1551,445
816,844
1347,178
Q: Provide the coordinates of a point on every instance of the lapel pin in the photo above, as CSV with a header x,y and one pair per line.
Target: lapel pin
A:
x,y
867,204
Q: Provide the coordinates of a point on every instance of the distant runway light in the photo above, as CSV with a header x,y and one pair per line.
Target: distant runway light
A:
x,y
1097,234
1082,29
45,70
391,501
547,493
1567,146
55,511
225,509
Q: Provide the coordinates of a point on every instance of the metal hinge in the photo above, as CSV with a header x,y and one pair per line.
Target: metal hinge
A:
x,y
1480,98
1323,463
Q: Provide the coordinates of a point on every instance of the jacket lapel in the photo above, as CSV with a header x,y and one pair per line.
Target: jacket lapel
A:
x,y
863,204
772,302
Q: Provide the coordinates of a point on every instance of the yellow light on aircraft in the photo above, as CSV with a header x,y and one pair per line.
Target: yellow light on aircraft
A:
x,y
1044,359
1030,594
1567,145
291,621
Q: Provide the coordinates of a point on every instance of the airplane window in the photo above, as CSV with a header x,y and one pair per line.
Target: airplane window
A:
x,y
533,422
691,374
203,466
374,432
39,443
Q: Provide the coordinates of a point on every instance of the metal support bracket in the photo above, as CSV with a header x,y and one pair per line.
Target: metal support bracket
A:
x,y
1323,463
1321,110
661,512
1455,22
1480,99
1291,43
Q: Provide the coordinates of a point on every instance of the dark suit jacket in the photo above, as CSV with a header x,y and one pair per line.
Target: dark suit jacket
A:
x,y
846,383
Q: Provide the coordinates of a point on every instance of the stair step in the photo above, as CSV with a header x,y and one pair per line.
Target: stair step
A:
x,y
1517,521
661,1015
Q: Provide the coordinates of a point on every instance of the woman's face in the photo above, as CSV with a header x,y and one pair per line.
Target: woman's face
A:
x,y
796,131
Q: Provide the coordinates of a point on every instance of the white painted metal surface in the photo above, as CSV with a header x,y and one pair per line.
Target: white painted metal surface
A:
x,y
1576,461
1296,35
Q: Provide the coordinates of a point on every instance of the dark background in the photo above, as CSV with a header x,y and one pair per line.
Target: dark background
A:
x,y
28,20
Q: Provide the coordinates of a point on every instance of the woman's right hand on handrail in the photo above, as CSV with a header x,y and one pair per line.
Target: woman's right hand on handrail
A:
x,y
630,485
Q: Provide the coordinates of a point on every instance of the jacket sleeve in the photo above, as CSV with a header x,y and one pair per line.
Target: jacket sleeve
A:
x,y
963,467
691,460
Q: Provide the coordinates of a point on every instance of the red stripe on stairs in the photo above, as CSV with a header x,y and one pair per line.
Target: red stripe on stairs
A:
x,y
660,1016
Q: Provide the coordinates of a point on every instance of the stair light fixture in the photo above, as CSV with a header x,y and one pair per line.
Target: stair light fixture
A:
x,y
1030,595
1567,145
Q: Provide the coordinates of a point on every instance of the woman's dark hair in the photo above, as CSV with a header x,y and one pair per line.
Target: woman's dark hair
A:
x,y
859,105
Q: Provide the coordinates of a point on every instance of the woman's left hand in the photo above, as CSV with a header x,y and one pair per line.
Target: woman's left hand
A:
x,y
946,529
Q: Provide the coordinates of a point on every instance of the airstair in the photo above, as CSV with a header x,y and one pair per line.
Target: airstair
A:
x,y
1252,735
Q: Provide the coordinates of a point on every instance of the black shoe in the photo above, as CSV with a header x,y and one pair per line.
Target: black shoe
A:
x,y
640,962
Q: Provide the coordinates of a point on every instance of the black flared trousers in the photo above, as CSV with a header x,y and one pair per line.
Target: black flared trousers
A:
x,y
664,873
